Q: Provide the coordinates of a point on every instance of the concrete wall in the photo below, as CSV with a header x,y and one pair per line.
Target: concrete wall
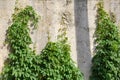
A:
x,y
82,37
6,10
77,15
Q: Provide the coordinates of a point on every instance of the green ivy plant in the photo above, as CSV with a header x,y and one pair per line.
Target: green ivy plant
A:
x,y
20,64
54,62
106,62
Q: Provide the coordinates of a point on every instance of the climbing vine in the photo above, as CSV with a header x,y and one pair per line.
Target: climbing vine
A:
x,y
54,62
20,64
106,62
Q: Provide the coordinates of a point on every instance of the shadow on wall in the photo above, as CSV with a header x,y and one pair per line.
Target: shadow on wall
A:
x,y
83,38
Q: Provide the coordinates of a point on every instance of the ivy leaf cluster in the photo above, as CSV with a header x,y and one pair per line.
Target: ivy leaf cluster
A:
x,y
57,64
54,62
20,64
106,62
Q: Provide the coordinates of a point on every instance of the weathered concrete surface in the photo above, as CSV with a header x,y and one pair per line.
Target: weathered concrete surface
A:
x,y
6,10
114,7
79,18
83,37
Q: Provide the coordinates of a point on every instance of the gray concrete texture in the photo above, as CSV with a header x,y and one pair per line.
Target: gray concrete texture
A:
x,y
77,15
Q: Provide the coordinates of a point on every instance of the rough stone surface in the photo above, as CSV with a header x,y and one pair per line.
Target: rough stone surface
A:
x,y
77,15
